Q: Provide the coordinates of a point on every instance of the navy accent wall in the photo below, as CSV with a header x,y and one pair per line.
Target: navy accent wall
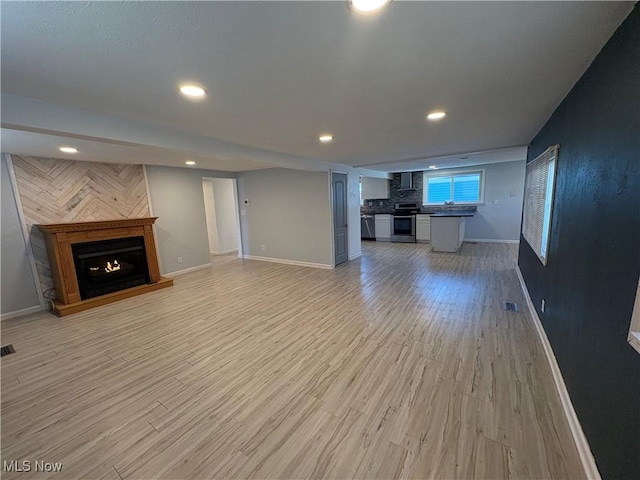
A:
x,y
591,277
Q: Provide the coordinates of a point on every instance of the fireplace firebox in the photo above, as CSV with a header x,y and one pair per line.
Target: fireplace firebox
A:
x,y
95,263
110,265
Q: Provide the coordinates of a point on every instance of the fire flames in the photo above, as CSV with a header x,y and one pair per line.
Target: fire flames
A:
x,y
110,267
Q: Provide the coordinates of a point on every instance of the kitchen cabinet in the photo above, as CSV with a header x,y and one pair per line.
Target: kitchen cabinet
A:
x,y
423,228
383,227
447,233
374,188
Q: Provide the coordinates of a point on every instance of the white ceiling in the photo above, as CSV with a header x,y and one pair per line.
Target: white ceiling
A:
x,y
280,73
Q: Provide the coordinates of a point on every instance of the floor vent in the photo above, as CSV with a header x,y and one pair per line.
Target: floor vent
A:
x,y
510,306
6,350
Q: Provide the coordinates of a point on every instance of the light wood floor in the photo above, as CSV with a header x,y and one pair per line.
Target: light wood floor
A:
x,y
400,364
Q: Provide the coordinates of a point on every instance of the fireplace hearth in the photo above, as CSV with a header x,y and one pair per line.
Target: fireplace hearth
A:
x,y
95,263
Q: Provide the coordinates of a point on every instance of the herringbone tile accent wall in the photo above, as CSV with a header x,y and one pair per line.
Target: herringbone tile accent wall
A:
x,y
62,191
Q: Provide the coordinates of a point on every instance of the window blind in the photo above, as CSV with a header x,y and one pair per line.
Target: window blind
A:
x,y
466,188
459,188
538,201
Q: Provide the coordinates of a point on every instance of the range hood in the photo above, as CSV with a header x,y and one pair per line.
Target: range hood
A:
x,y
406,181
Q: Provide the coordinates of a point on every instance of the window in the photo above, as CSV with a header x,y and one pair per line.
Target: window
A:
x,y
462,187
538,202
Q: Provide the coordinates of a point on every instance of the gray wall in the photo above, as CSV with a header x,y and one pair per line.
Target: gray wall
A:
x,y
502,221
18,288
176,198
288,212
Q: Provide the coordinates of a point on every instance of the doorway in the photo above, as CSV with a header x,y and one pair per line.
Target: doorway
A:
x,y
221,213
340,236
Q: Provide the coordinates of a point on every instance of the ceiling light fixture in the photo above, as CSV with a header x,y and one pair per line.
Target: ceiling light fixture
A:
x,y
192,91
367,6
68,149
325,138
190,162
436,115
433,167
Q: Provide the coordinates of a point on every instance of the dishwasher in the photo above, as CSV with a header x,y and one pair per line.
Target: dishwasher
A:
x,y
368,227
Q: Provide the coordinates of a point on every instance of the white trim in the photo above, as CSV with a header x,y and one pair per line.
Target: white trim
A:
x,y
236,203
332,236
582,445
224,252
187,270
289,262
20,313
355,255
490,240
25,232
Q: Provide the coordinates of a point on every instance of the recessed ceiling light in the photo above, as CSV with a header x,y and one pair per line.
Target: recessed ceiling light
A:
x,y
192,91
190,162
463,158
325,138
436,115
366,6
433,167
68,149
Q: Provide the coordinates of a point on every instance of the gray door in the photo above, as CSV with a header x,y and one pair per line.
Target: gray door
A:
x,y
339,188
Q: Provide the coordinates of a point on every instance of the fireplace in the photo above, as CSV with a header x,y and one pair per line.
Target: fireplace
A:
x,y
110,265
94,263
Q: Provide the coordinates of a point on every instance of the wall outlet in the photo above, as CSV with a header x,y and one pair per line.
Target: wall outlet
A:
x,y
381,203
371,204
179,259
243,212
263,248
496,202
543,304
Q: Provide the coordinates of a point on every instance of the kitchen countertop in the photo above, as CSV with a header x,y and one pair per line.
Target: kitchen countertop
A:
x,y
453,213
449,211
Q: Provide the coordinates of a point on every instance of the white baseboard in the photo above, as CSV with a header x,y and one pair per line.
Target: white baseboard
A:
x,y
582,444
186,270
490,240
355,255
288,262
20,313
224,252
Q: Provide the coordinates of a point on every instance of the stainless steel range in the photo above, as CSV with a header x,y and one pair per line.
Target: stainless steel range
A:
x,y
404,222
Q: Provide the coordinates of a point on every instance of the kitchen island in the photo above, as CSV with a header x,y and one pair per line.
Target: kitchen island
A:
x,y
447,230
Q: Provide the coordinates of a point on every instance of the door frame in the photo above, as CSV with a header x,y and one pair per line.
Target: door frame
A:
x,y
331,207
236,208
